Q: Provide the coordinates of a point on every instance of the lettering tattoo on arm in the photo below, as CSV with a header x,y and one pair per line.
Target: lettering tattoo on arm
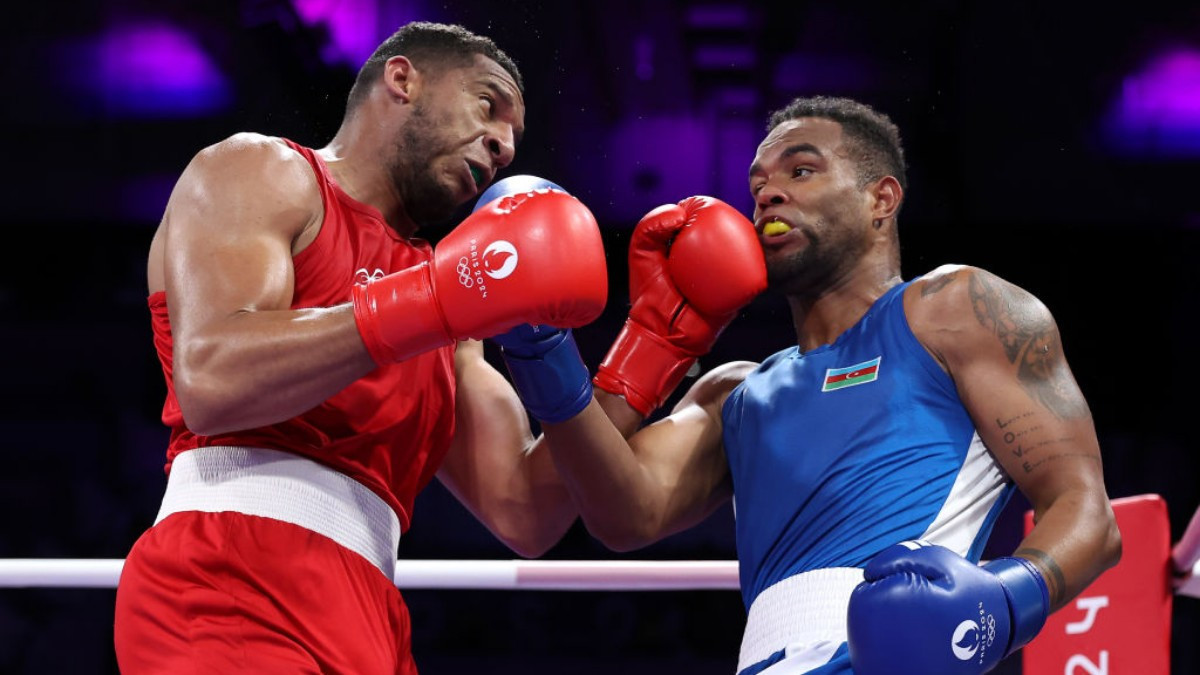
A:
x,y
1031,342
1019,435
1056,582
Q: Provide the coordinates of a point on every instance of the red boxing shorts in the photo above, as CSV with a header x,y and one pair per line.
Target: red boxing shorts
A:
x,y
228,592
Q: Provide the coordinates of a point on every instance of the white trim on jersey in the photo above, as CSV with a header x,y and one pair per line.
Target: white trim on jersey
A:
x,y
979,485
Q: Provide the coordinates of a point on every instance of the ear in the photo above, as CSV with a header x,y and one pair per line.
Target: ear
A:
x,y
886,195
400,78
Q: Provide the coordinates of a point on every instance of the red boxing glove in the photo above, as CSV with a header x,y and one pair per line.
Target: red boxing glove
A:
x,y
692,266
533,257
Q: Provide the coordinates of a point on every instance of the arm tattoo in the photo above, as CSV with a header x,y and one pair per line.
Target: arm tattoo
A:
x,y
1020,436
935,285
1057,582
1031,342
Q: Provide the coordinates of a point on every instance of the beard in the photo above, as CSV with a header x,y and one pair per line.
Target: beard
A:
x,y
427,201
794,272
812,269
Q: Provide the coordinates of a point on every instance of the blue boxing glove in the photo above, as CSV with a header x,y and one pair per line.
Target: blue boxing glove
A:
x,y
547,371
925,609
543,362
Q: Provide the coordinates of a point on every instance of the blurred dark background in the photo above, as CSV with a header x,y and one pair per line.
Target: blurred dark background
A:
x,y
1055,144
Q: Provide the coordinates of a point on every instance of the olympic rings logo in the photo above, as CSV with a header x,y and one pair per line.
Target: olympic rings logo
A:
x,y
498,260
464,272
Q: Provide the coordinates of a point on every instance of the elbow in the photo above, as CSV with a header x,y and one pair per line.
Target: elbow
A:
x,y
622,544
1106,536
1112,544
620,537
525,534
622,531
200,404
530,547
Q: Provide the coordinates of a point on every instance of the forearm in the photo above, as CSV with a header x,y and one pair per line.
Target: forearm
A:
x,y
622,415
494,467
618,498
1075,539
259,368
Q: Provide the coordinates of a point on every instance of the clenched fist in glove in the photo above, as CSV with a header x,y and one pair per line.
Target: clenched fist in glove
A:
x,y
692,266
925,609
531,257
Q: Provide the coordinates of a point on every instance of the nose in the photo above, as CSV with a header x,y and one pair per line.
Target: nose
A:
x,y
770,195
501,146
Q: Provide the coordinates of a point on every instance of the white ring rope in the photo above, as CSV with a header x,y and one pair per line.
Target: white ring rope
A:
x,y
1186,552
545,575
549,575
1186,556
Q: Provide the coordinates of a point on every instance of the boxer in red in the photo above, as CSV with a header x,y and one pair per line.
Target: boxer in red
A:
x,y
322,365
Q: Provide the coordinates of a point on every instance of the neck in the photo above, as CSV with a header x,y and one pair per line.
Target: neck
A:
x,y
357,158
822,315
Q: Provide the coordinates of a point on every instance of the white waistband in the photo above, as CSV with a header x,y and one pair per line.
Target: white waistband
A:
x,y
804,609
287,487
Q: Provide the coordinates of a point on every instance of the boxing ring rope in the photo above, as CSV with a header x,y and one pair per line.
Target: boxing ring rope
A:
x,y
546,575
1186,556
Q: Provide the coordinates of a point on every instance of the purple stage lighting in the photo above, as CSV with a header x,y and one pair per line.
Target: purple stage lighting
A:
x,y
1158,110
356,27
352,27
149,70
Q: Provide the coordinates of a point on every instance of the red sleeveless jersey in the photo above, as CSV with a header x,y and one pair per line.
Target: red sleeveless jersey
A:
x,y
389,430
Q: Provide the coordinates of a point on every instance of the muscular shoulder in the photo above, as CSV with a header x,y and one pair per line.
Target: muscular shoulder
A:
x,y
250,174
250,155
957,309
711,390
254,165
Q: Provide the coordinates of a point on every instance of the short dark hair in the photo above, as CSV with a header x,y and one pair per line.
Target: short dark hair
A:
x,y
432,47
872,138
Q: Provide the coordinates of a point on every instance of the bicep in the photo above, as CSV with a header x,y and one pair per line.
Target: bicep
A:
x,y
1013,377
227,247
491,429
685,454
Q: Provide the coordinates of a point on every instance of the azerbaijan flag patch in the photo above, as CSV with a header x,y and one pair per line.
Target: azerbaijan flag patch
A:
x,y
859,373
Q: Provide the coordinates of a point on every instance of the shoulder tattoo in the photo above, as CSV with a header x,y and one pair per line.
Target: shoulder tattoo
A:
x,y
938,283
1031,342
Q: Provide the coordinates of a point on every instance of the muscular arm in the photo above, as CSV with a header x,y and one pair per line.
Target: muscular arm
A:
x,y
1002,347
495,468
664,478
223,254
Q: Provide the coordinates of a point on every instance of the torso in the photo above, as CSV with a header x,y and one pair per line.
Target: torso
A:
x,y
389,430
843,450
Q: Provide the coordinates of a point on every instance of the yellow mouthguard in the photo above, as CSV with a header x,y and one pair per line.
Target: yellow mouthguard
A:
x,y
775,227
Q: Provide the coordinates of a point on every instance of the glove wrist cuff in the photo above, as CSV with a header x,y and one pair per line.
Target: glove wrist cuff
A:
x,y
642,367
554,385
398,316
1028,598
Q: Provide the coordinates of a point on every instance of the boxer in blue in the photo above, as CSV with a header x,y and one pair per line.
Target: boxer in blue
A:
x,y
867,463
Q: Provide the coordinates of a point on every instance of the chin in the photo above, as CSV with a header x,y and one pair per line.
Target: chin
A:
x,y
429,202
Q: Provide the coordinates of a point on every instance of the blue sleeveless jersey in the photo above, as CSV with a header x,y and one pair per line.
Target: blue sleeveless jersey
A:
x,y
841,451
